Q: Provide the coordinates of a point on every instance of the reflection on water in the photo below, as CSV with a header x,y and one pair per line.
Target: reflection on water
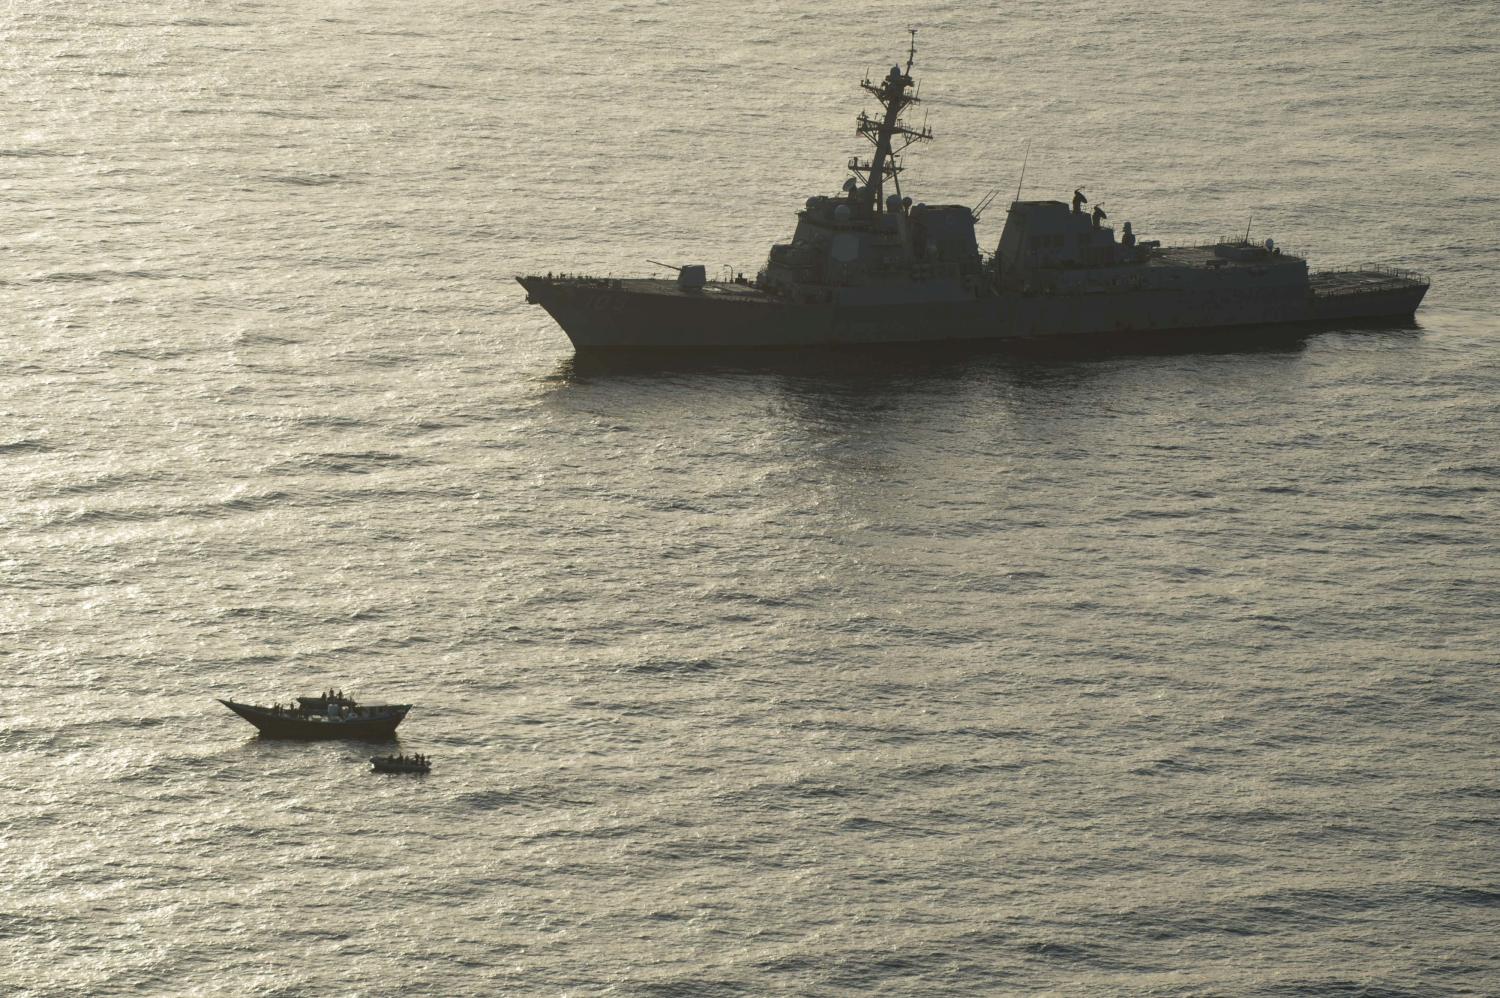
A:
x,y
830,386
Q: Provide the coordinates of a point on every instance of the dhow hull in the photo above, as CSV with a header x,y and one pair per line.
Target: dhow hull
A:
x,y
313,728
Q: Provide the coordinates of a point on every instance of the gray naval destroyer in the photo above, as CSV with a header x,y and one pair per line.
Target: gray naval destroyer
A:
x,y
864,267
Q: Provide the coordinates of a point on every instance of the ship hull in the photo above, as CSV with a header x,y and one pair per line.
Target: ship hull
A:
x,y
380,726
625,314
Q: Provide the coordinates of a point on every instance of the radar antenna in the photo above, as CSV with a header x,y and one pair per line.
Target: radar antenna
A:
x,y
885,131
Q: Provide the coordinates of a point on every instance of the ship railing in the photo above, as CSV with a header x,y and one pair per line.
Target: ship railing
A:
x,y
1366,279
1239,241
1386,270
1383,269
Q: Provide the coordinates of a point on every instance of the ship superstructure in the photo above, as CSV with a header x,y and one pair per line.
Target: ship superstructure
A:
x,y
868,265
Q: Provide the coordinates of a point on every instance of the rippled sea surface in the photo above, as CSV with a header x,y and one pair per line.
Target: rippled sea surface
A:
x,y
913,672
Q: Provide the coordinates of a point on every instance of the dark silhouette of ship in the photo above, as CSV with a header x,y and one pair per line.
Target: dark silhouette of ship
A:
x,y
331,715
867,267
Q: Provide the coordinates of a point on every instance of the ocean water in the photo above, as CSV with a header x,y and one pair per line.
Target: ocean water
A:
x,y
897,672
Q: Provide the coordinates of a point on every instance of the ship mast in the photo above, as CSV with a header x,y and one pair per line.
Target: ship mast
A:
x,y
884,132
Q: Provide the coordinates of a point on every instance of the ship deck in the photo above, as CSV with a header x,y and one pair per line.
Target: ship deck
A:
x,y
665,287
1199,257
1371,278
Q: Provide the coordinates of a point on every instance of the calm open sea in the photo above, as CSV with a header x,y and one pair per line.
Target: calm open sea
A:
x,y
914,672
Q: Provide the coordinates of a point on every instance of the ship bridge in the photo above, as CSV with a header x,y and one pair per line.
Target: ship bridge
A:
x,y
916,252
